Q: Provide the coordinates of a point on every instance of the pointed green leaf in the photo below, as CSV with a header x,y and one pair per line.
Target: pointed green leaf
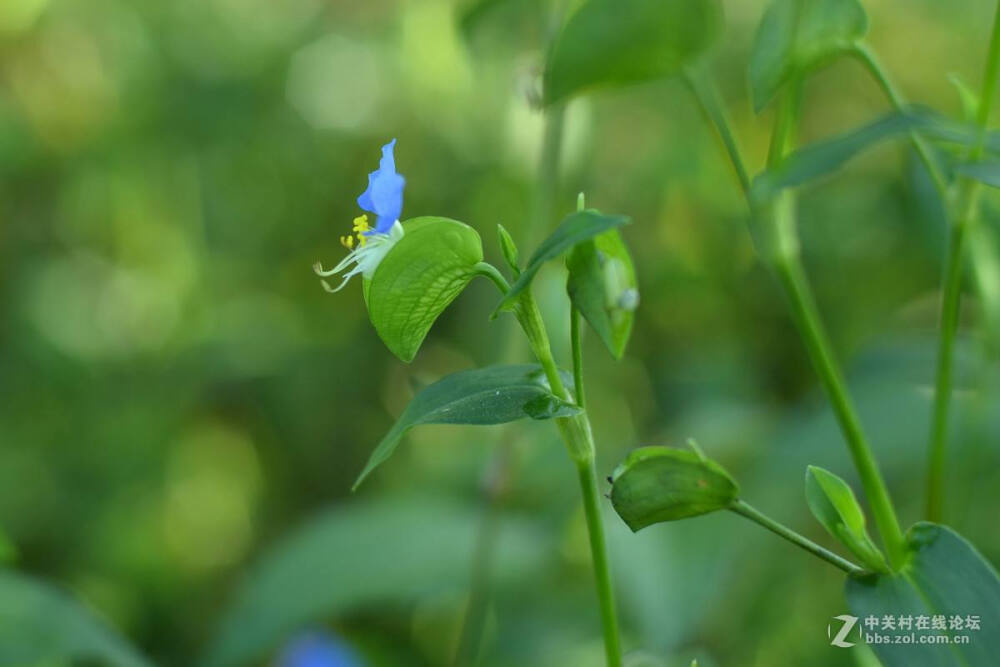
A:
x,y
418,278
619,42
603,288
987,172
40,624
575,228
824,157
483,396
797,35
656,484
508,248
945,576
832,502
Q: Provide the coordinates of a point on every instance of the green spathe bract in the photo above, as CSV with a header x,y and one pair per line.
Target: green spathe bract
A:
x,y
575,228
656,484
833,504
603,288
483,396
619,42
943,575
422,273
797,35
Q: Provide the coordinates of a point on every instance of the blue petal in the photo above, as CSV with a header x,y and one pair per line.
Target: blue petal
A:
x,y
317,650
384,196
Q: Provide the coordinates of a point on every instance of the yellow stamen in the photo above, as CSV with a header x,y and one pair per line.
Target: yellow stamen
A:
x,y
360,227
347,242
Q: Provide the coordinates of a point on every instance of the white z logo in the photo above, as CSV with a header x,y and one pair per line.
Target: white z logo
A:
x,y
839,640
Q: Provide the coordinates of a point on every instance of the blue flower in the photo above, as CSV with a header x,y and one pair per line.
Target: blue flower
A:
x,y
317,650
384,198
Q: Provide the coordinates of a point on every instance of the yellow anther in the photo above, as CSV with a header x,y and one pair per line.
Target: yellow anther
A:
x,y
361,224
347,242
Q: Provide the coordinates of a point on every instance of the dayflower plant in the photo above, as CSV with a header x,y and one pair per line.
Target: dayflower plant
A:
x,y
383,198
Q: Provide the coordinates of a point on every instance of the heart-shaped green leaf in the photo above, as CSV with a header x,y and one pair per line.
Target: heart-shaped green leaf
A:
x,y
832,502
575,228
482,396
603,288
797,35
42,625
619,42
944,577
656,484
418,278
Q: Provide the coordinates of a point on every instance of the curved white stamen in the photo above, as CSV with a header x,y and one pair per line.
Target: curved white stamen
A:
x,y
365,258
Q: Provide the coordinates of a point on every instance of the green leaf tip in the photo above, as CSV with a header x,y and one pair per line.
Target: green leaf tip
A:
x,y
418,278
834,505
481,396
657,484
575,228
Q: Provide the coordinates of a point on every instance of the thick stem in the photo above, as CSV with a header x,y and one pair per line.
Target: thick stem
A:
x,y
743,509
952,288
599,555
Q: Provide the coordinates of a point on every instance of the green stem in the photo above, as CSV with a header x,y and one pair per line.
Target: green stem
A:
x,y
952,288
744,509
576,433
807,319
599,555
867,57
576,343
707,95
782,251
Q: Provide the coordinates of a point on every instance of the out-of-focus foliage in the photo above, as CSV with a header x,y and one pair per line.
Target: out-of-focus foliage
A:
x,y
179,394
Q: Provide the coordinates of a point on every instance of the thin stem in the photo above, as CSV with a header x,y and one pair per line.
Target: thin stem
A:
x,y
807,319
743,509
487,270
707,95
575,341
783,253
599,555
867,57
952,288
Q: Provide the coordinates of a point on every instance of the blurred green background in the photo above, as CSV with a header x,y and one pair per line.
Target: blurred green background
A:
x,y
183,407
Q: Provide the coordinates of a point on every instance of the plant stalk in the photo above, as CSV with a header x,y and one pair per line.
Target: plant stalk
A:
x,y
951,296
743,509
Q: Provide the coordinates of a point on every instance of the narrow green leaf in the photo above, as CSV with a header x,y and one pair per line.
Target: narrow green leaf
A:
x,y
968,100
602,286
482,396
418,278
656,484
508,248
987,172
361,556
944,576
824,157
575,228
40,624
834,505
620,42
797,35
